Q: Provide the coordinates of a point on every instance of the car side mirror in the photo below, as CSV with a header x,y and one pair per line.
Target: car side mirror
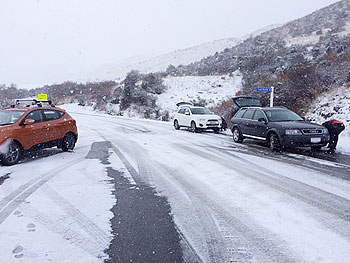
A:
x,y
187,113
29,122
262,120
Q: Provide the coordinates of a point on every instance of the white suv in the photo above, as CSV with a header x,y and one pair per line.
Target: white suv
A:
x,y
196,117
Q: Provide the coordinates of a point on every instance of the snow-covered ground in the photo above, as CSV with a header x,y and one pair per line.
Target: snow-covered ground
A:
x,y
56,207
231,203
334,105
209,90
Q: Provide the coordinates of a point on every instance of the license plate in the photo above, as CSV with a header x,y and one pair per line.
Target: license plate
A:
x,y
315,140
213,123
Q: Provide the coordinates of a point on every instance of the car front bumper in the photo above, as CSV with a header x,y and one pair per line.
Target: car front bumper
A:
x,y
304,140
209,125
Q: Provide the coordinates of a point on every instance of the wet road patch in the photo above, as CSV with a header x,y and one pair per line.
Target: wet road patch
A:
x,y
100,150
143,228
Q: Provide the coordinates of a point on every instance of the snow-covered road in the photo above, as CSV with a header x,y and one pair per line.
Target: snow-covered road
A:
x,y
230,202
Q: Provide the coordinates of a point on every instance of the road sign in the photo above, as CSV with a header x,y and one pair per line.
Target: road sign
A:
x,y
264,90
268,90
42,97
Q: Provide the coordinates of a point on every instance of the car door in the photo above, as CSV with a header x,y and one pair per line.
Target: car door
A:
x,y
187,117
259,127
52,124
33,134
180,117
247,124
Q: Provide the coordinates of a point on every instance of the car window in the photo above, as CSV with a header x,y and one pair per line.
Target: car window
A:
x,y
258,115
240,114
182,111
50,115
60,113
201,111
249,114
282,115
35,115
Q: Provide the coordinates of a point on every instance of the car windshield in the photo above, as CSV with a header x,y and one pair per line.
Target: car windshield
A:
x,y
10,117
282,115
201,111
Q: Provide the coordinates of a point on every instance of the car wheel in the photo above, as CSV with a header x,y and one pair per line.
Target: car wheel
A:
x,y
68,142
237,136
217,130
176,125
193,127
274,143
13,155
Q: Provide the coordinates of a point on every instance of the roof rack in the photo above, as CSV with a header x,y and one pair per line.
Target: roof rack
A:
x,y
32,103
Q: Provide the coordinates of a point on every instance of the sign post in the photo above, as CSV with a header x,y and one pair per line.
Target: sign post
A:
x,y
268,90
271,96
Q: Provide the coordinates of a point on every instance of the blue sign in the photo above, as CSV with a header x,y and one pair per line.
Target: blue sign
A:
x,y
264,90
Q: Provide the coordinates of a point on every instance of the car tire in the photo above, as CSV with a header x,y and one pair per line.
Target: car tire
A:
x,y
193,127
68,142
237,135
216,130
176,125
274,143
13,156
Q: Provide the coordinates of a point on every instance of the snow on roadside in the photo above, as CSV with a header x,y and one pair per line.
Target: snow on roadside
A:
x,y
56,207
209,89
334,105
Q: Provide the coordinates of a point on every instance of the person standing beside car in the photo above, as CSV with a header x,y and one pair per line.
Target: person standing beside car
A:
x,y
334,127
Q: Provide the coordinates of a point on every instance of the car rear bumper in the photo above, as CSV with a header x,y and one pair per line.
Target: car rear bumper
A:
x,y
304,141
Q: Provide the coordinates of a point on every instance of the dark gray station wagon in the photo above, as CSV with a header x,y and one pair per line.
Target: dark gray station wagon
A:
x,y
278,126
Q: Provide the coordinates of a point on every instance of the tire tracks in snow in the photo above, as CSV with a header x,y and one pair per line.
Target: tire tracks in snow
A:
x,y
323,201
239,242
95,239
9,203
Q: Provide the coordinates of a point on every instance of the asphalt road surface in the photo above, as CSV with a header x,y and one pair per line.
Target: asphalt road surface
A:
x,y
184,197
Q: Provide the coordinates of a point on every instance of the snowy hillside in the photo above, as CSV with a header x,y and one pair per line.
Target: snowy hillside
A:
x,y
209,90
334,105
160,63
175,58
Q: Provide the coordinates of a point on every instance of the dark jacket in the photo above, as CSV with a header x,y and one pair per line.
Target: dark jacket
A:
x,y
334,127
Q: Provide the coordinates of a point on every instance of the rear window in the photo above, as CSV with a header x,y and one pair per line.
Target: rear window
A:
x,y
240,113
249,114
51,115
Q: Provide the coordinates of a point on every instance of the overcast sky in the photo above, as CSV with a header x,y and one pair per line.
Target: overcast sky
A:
x,y
47,41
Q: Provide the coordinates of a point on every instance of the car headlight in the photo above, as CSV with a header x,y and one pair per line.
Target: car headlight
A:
x,y
293,132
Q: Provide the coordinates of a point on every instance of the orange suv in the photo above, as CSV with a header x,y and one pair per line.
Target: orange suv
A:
x,y
34,126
